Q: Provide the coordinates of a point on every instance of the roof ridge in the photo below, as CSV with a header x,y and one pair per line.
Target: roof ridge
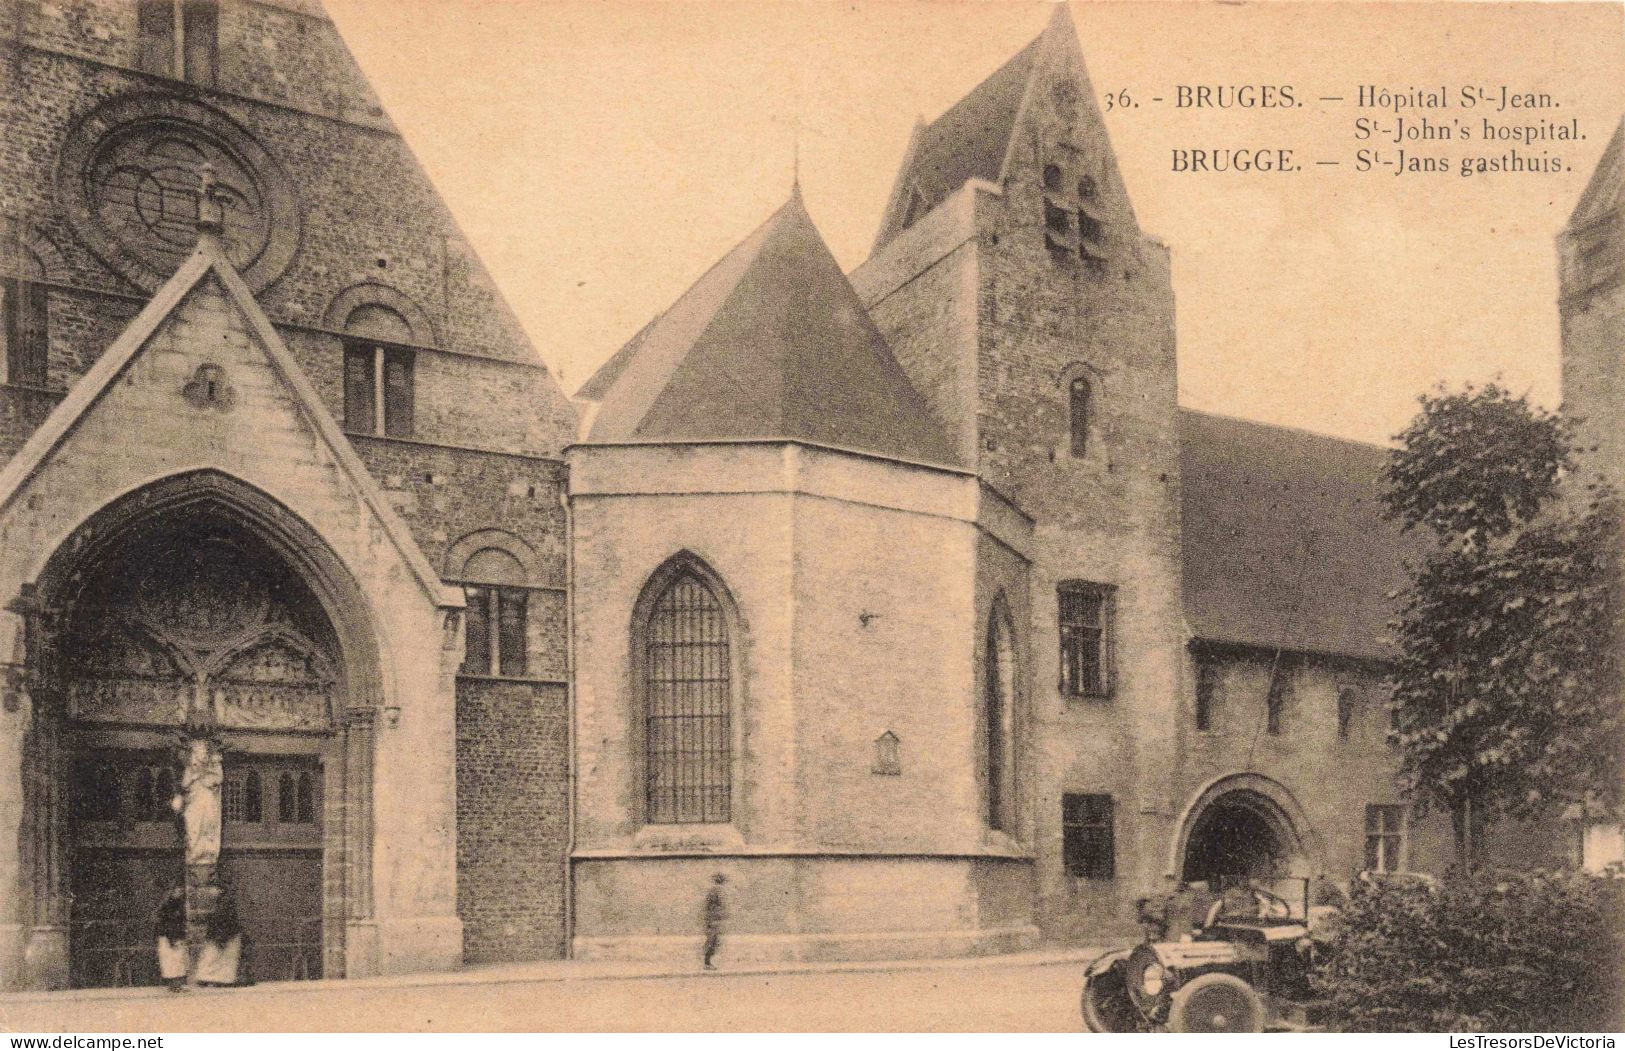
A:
x,y
605,376
1228,417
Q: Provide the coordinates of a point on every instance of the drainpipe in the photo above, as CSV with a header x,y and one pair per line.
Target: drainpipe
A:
x,y
570,716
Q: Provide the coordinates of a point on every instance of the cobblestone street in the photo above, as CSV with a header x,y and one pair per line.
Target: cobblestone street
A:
x,y
1027,993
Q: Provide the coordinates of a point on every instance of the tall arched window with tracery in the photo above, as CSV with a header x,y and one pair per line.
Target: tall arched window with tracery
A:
x,y
687,680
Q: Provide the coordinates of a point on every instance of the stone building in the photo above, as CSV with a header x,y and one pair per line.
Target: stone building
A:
x,y
1591,271
907,599
244,503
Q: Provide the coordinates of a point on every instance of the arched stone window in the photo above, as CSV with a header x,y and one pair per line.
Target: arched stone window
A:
x,y
287,802
253,799
24,317
497,614
999,670
683,645
378,387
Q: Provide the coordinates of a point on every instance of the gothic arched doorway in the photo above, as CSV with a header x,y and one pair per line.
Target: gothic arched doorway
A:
x,y
1246,825
187,653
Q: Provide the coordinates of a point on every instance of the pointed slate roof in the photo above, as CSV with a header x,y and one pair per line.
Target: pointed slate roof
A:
x,y
209,260
972,138
771,343
1283,538
1605,193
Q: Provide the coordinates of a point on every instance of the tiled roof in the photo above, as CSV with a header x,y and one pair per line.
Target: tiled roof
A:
x,y
1284,540
772,342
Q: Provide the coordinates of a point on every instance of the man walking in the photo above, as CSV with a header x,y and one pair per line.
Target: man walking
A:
x,y
714,914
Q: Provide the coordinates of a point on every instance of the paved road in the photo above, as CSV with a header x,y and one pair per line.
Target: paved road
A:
x,y
963,997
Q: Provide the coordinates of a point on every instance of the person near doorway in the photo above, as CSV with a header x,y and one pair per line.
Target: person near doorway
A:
x,y
219,962
171,936
715,913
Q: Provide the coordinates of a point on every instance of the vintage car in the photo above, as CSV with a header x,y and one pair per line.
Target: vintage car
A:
x,y
1239,965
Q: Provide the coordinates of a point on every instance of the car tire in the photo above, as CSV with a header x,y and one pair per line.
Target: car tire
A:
x,y
1105,1003
1216,1003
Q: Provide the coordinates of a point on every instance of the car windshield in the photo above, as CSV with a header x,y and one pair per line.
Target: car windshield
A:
x,y
1263,898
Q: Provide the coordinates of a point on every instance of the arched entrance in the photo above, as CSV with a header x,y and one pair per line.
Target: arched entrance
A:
x,y
1243,825
194,726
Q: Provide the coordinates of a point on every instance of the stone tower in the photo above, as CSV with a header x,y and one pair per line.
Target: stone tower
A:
x,y
1591,254
1012,279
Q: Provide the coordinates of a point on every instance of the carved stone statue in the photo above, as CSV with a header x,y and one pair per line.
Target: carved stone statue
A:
x,y
199,801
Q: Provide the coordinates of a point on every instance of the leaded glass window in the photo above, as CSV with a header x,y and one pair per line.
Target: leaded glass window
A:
x,y
688,677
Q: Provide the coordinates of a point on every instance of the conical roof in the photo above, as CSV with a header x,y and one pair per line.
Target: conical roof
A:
x,y
771,343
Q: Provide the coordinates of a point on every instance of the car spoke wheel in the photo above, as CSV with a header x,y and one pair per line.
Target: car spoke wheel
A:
x,y
1216,1003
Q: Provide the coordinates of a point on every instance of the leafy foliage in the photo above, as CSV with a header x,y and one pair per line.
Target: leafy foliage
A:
x,y
1475,465
1508,685
1486,952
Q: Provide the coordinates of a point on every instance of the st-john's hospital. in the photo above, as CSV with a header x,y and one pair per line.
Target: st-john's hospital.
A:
x,y
909,598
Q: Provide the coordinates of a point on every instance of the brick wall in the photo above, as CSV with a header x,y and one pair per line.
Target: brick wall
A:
x,y
512,818
487,412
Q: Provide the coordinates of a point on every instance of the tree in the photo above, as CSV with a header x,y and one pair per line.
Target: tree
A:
x,y
1507,690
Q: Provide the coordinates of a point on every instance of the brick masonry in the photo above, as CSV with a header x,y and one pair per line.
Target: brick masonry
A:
x,y
288,90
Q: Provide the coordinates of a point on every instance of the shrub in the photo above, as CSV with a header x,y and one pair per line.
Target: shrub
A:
x,y
1493,951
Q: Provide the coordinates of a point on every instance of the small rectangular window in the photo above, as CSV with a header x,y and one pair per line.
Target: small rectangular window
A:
x,y
1384,838
360,390
477,631
1086,639
1280,693
1087,844
155,26
398,392
200,35
1347,696
511,631
26,332
1207,686
1059,220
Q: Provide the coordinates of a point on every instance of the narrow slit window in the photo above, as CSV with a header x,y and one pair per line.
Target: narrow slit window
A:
x,y
1079,405
26,331
1207,688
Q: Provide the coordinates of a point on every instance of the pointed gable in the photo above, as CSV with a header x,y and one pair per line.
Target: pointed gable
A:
x,y
1605,194
771,343
974,138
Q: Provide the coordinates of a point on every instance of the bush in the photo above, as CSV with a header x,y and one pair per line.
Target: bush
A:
x,y
1494,951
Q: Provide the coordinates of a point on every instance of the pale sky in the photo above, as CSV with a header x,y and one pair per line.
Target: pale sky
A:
x,y
600,156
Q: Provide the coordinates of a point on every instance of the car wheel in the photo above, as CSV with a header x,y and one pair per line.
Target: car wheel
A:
x,y
1216,1003
1106,1006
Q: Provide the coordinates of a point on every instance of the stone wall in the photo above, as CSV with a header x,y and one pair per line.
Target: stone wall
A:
x,y
357,212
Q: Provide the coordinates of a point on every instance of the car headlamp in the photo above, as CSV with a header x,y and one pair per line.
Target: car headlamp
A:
x,y
1152,979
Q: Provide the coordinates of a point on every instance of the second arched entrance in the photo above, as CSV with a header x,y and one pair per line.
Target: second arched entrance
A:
x,y
1243,825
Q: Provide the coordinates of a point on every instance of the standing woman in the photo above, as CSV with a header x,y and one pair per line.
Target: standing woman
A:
x,y
171,934
219,961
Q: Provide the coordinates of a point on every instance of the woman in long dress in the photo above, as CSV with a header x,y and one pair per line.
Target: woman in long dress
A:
x,y
219,962
171,935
